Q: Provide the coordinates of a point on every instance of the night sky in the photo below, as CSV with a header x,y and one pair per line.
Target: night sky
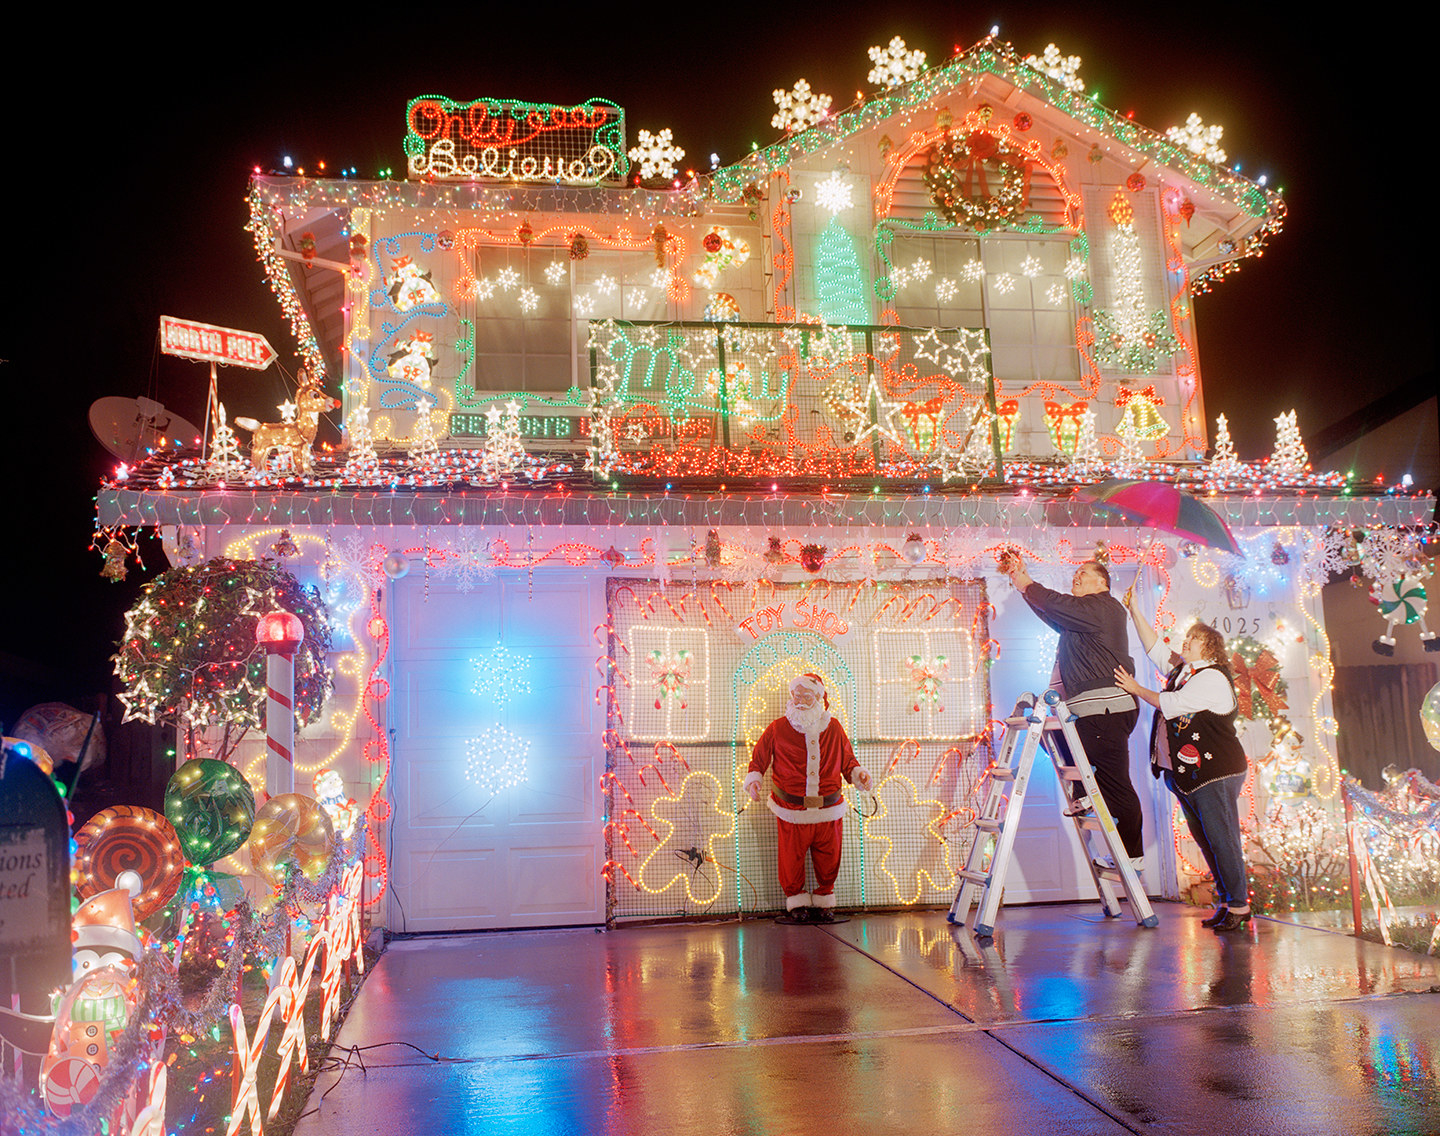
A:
x,y
128,174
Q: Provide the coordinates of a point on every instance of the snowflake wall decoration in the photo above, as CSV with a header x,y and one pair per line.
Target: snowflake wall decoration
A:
x,y
835,194
554,272
1201,140
501,674
800,108
529,300
496,759
657,154
507,278
894,65
1064,69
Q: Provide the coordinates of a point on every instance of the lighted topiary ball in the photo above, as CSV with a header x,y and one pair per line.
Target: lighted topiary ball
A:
x,y
212,808
189,654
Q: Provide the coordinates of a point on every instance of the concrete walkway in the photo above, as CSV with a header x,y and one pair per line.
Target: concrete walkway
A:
x,y
1065,1023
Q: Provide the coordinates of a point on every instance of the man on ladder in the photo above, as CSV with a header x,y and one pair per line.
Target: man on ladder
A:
x,y
1094,640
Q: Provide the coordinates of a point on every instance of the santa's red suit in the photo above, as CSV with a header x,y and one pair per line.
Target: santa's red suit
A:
x,y
806,771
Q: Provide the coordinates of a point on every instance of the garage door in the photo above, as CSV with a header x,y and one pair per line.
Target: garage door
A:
x,y
464,855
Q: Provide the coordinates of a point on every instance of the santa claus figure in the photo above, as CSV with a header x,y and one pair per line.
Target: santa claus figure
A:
x,y
807,754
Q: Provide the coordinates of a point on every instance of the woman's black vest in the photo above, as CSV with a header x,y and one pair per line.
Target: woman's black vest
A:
x,y
1203,746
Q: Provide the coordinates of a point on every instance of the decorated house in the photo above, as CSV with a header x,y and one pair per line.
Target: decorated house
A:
x,y
626,449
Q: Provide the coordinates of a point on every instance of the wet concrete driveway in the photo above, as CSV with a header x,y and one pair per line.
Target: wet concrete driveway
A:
x,y
1065,1023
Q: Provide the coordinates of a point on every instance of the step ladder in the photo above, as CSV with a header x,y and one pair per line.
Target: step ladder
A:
x,y
1032,727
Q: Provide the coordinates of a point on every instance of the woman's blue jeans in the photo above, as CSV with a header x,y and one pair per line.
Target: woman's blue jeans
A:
x,y
1213,814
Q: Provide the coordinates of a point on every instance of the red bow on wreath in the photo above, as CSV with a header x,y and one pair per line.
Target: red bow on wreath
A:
x,y
1264,677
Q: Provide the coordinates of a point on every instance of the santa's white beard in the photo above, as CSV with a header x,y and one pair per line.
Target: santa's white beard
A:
x,y
809,720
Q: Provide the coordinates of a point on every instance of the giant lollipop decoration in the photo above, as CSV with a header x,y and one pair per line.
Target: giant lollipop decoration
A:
x,y
212,808
128,839
291,829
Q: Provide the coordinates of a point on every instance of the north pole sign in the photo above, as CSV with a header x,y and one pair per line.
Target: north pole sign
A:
x,y
208,344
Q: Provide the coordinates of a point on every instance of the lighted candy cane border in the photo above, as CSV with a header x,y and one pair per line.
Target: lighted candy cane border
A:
x,y
339,937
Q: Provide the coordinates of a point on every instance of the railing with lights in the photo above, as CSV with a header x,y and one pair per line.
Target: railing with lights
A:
x,y
717,400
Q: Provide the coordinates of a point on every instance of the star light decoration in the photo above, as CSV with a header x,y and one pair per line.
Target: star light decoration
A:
x,y
835,194
657,154
1064,69
894,65
1201,140
800,108
287,411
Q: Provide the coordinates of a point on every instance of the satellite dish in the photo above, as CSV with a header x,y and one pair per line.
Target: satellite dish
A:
x,y
130,428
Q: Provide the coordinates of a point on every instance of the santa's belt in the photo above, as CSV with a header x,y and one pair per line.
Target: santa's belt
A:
x,y
806,802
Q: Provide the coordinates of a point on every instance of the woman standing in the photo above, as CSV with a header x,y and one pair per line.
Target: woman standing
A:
x,y
1193,745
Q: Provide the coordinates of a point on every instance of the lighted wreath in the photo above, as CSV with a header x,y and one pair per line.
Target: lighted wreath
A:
x,y
1259,688
189,654
956,176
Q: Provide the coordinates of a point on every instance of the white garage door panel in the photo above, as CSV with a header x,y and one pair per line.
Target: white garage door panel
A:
x,y
565,794
460,621
448,887
528,855
558,614
552,881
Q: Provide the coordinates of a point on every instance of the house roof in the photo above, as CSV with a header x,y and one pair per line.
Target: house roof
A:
x,y
1235,216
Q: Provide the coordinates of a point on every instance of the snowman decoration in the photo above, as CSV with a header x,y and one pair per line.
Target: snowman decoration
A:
x,y
411,287
92,1014
412,359
1401,599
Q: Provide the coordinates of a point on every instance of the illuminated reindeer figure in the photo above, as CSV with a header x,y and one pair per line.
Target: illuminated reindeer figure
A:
x,y
294,437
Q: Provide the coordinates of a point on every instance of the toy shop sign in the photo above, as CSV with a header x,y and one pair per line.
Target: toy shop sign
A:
x,y
801,615
508,141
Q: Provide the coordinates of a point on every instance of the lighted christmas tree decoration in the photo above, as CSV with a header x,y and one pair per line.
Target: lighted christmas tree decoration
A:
x,y
504,451
1126,337
1224,463
1064,69
800,108
1290,458
225,460
839,279
1201,140
657,155
423,446
894,64
496,760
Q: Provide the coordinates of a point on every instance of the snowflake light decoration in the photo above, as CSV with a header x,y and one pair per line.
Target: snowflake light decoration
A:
x,y
972,271
496,759
1055,294
657,154
484,288
1201,140
945,289
1003,284
1030,266
605,285
894,65
507,278
834,193
1064,69
584,304
529,301
800,108
1074,268
554,272
501,675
